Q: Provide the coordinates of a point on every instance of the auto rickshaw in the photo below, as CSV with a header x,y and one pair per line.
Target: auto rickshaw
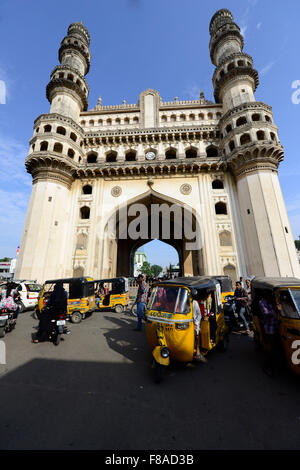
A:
x,y
81,297
226,286
170,322
285,294
115,294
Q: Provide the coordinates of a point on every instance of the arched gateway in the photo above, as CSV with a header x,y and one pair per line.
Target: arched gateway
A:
x,y
181,169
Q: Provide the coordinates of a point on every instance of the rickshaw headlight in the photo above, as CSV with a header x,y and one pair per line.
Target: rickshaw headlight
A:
x,y
182,326
165,353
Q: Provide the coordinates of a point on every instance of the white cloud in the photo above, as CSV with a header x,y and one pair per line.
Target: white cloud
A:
x,y
192,92
258,26
12,158
267,68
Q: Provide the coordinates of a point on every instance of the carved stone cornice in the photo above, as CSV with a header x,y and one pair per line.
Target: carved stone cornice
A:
x,y
44,165
255,157
64,83
233,74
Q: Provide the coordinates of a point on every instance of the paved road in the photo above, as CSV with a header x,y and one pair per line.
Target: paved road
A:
x,y
95,391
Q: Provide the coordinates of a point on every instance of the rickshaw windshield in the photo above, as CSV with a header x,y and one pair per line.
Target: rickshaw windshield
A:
x,y
170,300
290,303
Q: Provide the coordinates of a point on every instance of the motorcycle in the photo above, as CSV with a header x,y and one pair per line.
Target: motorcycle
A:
x,y
7,322
232,318
57,328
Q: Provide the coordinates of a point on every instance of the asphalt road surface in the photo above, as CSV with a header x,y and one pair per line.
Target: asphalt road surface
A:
x,y
96,391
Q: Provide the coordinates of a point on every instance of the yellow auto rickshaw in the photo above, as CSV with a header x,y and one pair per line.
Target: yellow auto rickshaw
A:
x,y
81,297
112,294
284,293
170,320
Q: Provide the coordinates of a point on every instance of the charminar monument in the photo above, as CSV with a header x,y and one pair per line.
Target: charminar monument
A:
x,y
98,173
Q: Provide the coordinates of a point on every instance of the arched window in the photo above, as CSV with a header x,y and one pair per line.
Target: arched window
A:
x,y
210,116
228,128
182,117
241,121
108,122
87,189
70,77
171,154
130,156
230,66
192,117
44,146
91,122
201,116
191,153
255,117
211,151
229,270
100,122
272,135
61,130
221,208
245,139
111,157
71,153
78,272
126,120
267,118
225,238
173,118
47,128
260,135
135,120
231,145
58,147
241,63
164,118
84,212
73,136
217,184
92,158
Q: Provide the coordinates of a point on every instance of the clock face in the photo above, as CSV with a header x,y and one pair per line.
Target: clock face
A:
x,y
150,155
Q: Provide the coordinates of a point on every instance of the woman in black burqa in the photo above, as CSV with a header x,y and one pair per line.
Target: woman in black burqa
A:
x,y
57,304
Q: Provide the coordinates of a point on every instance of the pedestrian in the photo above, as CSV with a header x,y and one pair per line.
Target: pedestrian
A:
x,y
141,300
248,290
241,302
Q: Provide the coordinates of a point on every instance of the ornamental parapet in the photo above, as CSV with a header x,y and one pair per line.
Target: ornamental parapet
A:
x,y
247,106
58,118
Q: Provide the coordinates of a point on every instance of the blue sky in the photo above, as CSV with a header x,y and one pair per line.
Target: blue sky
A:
x,y
135,45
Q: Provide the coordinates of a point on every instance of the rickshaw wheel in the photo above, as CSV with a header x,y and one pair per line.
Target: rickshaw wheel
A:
x,y
119,308
76,317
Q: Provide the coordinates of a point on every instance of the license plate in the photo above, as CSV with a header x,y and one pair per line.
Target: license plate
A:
x,y
61,322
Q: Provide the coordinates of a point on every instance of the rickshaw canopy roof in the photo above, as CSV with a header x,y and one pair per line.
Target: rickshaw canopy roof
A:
x,y
273,283
225,281
69,280
112,280
193,282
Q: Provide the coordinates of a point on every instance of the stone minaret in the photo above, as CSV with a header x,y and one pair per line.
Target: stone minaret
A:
x,y
56,149
252,150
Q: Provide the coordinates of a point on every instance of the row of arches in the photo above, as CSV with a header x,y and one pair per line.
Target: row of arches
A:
x,y
246,138
170,154
70,77
58,130
190,117
243,120
109,121
56,147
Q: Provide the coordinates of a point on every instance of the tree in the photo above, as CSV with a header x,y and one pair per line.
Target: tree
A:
x,y
297,243
146,269
156,270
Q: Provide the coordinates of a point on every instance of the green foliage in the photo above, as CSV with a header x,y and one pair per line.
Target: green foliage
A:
x,y
297,243
150,271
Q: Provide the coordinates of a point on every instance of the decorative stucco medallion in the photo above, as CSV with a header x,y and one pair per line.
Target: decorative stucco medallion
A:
x,y
116,191
185,188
